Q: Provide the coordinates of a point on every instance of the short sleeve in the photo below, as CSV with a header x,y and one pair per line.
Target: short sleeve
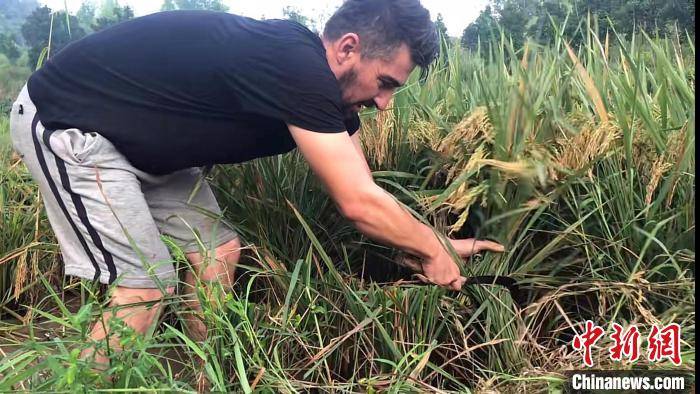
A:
x,y
352,123
288,78
312,97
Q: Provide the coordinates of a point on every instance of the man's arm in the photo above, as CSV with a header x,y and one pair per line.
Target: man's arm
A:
x,y
374,212
463,247
358,148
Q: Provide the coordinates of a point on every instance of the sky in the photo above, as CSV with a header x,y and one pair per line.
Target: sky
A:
x,y
456,14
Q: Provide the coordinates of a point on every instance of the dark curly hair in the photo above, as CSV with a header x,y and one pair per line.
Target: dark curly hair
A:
x,y
383,25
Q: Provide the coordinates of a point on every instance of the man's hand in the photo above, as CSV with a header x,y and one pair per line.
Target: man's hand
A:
x,y
471,246
442,270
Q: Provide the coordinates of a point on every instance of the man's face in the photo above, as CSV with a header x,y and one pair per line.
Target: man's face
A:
x,y
370,82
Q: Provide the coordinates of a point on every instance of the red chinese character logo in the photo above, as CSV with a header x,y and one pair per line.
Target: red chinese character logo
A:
x,y
626,343
587,339
665,343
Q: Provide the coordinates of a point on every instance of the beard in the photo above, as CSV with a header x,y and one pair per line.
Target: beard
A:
x,y
346,81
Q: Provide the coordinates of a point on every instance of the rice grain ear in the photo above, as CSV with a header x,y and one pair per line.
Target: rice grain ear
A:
x,y
20,275
592,142
467,133
377,136
658,169
424,133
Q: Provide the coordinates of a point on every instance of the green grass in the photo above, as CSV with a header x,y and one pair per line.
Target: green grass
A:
x,y
13,75
586,174
27,247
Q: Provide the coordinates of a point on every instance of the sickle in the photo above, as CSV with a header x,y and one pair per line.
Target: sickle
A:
x,y
505,281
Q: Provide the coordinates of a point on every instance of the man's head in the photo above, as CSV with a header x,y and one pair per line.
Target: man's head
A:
x,y
373,45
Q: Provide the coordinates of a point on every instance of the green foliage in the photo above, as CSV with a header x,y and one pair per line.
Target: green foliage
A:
x,y
13,75
106,8
212,5
9,47
440,26
538,20
483,29
12,15
119,14
86,15
42,28
168,5
294,14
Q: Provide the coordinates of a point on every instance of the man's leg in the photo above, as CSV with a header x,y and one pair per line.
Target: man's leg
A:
x,y
139,309
97,211
185,208
209,274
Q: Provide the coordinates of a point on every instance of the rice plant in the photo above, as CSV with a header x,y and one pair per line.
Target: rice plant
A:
x,y
580,160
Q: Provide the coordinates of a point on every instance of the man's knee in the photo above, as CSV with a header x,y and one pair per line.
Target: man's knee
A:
x,y
226,258
126,295
229,252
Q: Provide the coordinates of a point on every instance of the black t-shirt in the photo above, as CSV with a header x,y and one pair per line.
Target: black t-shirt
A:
x,y
191,88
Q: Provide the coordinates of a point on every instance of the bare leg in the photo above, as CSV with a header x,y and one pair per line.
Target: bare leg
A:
x,y
207,273
138,317
210,273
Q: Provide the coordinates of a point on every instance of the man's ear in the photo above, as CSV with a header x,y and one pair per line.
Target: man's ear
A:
x,y
347,48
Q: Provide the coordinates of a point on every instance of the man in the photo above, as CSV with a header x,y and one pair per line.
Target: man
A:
x,y
115,127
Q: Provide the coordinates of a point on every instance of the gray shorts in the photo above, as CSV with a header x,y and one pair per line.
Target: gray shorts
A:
x,y
107,215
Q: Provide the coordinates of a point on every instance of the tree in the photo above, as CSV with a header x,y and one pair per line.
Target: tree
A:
x,y
86,14
294,14
9,47
514,16
212,5
12,16
440,27
14,11
168,5
541,20
106,9
36,27
482,29
119,14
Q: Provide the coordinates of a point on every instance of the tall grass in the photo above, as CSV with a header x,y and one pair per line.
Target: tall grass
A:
x,y
27,247
580,160
12,78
